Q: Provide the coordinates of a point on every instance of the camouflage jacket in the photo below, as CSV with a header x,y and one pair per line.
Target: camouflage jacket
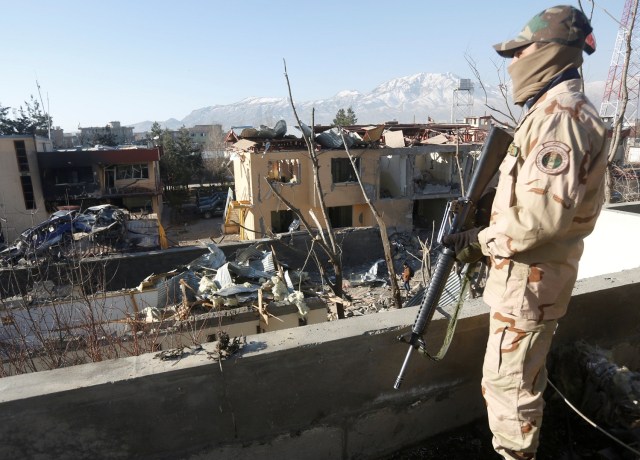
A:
x,y
549,194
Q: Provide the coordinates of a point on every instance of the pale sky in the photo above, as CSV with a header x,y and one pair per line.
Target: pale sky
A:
x,y
132,61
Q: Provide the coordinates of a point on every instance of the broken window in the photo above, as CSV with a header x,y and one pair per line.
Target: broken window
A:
x,y
286,171
342,171
21,156
139,171
393,176
27,192
281,220
73,176
435,174
341,216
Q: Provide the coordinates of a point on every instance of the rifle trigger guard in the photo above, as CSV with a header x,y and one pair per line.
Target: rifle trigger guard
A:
x,y
418,344
402,338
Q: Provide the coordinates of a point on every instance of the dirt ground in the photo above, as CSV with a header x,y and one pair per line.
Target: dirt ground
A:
x,y
190,229
564,435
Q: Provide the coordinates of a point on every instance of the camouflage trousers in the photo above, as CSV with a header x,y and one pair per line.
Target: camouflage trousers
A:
x,y
513,382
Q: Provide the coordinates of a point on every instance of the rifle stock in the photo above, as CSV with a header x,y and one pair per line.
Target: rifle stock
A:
x,y
493,152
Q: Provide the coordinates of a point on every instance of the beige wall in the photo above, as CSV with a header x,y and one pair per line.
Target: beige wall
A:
x,y
151,183
16,218
391,169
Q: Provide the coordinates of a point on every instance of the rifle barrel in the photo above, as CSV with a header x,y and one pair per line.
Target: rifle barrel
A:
x,y
493,152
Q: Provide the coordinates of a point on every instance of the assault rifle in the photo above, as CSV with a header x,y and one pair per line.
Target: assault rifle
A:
x,y
458,216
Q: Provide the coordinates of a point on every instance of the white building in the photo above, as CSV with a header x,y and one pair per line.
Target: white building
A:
x,y
119,134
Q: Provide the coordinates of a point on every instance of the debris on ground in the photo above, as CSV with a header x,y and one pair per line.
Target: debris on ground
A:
x,y
211,282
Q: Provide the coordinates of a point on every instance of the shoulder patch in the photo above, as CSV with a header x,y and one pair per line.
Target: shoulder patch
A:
x,y
553,157
513,150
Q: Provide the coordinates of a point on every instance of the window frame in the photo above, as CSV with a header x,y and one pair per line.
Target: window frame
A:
x,y
342,170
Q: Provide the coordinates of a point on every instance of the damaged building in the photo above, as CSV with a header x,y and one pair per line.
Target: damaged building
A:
x,y
37,180
128,177
407,171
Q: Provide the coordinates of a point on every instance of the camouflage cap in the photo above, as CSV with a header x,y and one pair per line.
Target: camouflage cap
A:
x,y
561,24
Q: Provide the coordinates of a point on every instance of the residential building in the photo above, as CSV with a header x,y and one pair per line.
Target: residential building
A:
x,y
125,177
210,138
21,200
113,132
407,171
62,140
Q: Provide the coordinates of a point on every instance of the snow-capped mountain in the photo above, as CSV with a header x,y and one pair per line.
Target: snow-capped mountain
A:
x,y
406,99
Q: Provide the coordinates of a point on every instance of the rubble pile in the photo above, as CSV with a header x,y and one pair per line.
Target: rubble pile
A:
x,y
391,134
191,303
212,287
367,288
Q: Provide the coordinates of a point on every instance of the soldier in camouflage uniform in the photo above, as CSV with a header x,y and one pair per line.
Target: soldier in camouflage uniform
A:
x,y
549,195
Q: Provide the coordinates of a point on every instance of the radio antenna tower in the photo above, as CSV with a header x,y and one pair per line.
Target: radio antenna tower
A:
x,y
613,89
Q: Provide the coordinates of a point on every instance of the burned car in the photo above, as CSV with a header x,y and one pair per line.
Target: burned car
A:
x,y
104,224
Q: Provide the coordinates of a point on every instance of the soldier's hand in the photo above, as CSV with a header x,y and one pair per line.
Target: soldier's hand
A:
x,y
465,244
483,208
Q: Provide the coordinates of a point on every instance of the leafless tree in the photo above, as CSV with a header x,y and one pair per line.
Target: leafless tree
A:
x,y
506,112
64,319
325,237
395,290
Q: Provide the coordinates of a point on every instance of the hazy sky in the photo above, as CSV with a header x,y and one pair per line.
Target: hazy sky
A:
x,y
140,60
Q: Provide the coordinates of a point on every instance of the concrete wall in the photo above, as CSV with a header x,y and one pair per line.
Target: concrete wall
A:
x,y
320,391
128,270
612,246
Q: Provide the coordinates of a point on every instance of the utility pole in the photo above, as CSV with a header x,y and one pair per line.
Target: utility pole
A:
x,y
47,112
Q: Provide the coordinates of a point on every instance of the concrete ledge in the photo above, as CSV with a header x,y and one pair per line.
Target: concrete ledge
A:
x,y
319,391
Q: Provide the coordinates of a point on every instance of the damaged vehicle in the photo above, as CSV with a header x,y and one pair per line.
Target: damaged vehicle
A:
x,y
107,222
103,224
35,241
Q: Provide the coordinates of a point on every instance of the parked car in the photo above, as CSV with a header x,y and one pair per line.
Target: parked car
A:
x,y
211,204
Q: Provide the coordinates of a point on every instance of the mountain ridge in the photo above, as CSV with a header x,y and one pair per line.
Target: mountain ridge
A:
x,y
409,99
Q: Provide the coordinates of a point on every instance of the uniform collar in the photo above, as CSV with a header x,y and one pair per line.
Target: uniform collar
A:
x,y
568,74
572,85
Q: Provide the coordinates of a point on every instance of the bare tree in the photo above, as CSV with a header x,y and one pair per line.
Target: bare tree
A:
x,y
395,290
500,68
325,238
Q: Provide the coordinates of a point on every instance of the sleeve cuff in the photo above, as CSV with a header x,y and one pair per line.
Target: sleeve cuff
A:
x,y
482,239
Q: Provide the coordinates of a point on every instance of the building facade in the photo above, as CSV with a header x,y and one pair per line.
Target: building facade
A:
x,y
21,200
408,185
111,134
209,138
125,177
